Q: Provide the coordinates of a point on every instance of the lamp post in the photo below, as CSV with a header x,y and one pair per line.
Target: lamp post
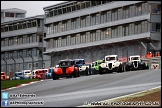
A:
x,y
6,64
14,63
32,60
23,61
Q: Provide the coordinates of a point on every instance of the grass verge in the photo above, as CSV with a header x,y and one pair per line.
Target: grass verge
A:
x,y
12,83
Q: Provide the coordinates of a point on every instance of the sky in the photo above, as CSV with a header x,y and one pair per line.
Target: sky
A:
x,y
33,8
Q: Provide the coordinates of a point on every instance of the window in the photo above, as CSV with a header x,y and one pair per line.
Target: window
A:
x,y
21,40
73,8
56,12
34,37
64,10
11,14
87,4
93,36
113,15
24,53
73,39
93,19
108,16
2,14
87,22
15,40
139,9
108,33
59,11
29,24
20,15
78,6
7,14
119,14
2,29
103,17
98,35
133,28
19,26
69,9
83,5
68,40
139,28
83,19
24,25
24,39
130,29
78,39
6,41
51,13
34,23
10,27
88,37
78,23
98,18
103,34
34,52
132,11
116,14
15,55
126,12
93,3
120,31
68,25
64,41
6,28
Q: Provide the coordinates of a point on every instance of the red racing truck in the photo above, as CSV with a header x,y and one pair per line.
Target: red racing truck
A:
x,y
66,68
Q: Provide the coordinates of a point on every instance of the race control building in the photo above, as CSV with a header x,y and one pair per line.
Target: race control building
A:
x,y
22,44
93,29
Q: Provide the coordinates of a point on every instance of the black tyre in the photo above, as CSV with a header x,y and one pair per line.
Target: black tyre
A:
x,y
53,75
100,71
75,74
120,68
86,72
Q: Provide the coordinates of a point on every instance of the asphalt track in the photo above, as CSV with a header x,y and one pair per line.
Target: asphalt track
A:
x,y
74,92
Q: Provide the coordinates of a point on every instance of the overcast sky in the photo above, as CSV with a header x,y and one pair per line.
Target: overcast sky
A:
x,y
33,8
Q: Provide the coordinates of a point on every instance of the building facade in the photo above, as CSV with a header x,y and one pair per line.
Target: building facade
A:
x,y
12,14
22,44
93,29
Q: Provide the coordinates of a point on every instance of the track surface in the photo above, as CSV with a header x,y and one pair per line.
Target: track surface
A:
x,y
74,92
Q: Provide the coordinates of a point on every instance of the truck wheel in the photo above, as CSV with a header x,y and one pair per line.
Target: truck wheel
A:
x,y
120,68
75,74
100,72
53,75
86,72
90,71
78,73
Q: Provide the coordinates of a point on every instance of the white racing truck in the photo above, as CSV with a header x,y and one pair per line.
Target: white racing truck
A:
x,y
84,69
136,63
111,64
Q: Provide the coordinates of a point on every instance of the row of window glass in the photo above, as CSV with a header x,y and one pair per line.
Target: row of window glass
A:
x,y
24,53
100,34
23,39
98,18
73,7
18,26
16,15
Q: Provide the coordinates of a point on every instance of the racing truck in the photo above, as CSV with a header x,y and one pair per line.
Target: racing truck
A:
x,y
111,64
84,70
66,68
19,75
4,76
135,63
95,68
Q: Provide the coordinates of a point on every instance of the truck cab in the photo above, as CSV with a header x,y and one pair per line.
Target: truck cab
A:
x,y
111,64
